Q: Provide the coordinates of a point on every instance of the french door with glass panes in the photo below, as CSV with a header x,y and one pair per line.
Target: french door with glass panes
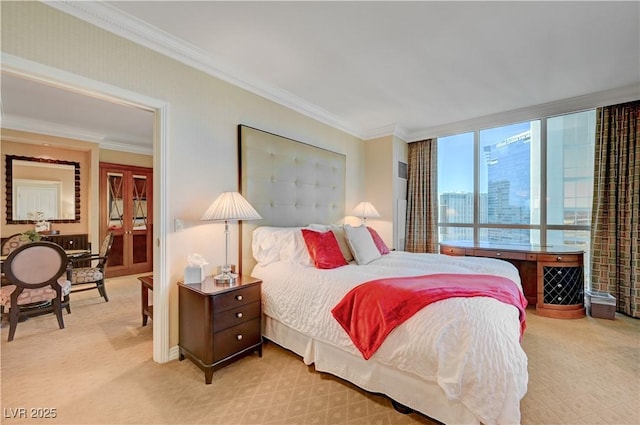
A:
x,y
126,210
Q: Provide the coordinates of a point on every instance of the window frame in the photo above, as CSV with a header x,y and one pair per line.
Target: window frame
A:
x,y
543,228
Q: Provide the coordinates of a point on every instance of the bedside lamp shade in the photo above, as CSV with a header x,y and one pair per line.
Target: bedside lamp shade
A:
x,y
229,206
365,210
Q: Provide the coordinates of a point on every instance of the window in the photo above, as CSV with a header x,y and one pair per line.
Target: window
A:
x,y
455,186
528,182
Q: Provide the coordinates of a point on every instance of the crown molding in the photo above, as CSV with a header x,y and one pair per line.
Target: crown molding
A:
x,y
387,130
559,107
124,25
31,125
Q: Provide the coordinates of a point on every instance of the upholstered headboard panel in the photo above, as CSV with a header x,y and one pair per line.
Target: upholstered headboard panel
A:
x,y
289,183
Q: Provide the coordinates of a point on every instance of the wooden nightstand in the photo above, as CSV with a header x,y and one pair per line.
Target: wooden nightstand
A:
x,y
219,323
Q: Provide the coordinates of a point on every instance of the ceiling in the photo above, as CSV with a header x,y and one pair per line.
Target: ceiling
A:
x,y
368,68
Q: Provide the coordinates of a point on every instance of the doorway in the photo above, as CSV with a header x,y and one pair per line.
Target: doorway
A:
x,y
52,77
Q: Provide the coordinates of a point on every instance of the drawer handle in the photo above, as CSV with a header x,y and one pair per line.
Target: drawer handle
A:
x,y
559,298
558,258
559,271
498,254
239,297
239,315
559,285
239,337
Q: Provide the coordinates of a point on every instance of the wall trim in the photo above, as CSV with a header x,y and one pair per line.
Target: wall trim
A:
x,y
560,107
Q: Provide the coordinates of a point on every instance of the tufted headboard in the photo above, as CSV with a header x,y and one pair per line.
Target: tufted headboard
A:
x,y
289,183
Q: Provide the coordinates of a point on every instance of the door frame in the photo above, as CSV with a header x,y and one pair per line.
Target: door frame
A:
x,y
66,80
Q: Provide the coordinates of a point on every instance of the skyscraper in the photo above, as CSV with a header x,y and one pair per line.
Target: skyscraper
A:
x,y
509,187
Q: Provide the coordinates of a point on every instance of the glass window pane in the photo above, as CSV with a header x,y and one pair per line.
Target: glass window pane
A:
x,y
450,234
509,165
455,179
570,153
510,236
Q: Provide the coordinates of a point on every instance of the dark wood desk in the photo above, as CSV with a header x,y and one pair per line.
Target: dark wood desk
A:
x,y
552,277
146,284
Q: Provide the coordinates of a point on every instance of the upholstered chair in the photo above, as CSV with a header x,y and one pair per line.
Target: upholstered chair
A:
x,y
36,273
87,278
13,242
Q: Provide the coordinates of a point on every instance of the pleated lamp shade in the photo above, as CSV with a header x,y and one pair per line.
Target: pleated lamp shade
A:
x,y
365,210
230,206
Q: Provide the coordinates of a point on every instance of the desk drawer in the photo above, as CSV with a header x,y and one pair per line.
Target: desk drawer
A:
x,y
239,297
508,255
235,316
448,250
559,258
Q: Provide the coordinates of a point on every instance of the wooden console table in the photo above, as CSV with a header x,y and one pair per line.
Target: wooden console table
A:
x,y
146,284
552,277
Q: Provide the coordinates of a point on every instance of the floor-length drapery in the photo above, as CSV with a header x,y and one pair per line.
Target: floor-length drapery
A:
x,y
422,197
615,229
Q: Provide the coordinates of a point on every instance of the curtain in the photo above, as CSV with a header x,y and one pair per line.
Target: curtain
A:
x,y
615,228
422,197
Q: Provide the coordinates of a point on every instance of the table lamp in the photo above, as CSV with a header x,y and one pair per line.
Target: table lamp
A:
x,y
229,206
365,209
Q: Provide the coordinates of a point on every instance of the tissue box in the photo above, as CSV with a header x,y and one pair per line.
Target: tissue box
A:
x,y
601,304
193,274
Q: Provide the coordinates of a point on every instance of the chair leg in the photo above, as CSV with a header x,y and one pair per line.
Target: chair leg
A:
x,y
67,304
14,315
102,290
57,308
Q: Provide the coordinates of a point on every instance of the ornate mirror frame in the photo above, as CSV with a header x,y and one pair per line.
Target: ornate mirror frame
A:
x,y
9,187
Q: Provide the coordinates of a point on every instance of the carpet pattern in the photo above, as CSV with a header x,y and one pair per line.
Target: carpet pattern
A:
x,y
99,370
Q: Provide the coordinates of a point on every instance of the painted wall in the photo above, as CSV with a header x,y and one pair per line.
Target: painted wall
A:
x,y
203,116
126,158
383,186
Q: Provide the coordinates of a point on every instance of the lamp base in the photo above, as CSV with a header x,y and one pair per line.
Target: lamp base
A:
x,y
228,279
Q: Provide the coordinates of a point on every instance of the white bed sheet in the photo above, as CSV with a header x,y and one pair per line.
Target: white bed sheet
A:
x,y
468,346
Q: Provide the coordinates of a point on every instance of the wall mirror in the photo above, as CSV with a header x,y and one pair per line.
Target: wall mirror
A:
x,y
42,185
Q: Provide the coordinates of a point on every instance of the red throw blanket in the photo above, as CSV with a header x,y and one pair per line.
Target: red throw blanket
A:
x,y
370,311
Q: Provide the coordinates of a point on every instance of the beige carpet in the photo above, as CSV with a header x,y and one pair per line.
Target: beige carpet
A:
x,y
99,370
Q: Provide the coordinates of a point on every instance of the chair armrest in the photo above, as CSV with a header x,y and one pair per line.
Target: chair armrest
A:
x,y
87,257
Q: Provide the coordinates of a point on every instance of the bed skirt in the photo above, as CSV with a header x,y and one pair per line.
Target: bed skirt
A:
x,y
407,389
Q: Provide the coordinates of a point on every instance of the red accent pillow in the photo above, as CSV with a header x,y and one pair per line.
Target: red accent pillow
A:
x,y
382,247
324,249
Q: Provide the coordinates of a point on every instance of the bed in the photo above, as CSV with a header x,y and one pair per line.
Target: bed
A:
x,y
457,360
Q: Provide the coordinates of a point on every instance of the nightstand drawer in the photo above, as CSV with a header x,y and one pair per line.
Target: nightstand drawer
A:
x,y
235,316
239,297
235,339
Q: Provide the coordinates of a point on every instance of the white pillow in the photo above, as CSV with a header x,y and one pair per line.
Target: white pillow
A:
x,y
271,244
294,249
338,231
265,245
361,243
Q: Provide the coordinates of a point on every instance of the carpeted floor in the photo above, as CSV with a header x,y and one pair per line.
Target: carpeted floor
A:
x,y
99,370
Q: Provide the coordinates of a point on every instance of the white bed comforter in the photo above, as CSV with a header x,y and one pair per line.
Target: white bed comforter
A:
x,y
469,346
